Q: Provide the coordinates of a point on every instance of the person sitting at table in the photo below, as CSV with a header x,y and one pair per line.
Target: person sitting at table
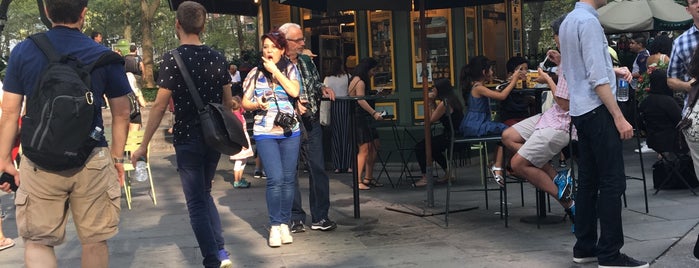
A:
x,y
477,121
515,107
445,92
539,138
367,135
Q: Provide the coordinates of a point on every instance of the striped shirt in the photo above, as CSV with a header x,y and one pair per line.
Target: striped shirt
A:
x,y
682,50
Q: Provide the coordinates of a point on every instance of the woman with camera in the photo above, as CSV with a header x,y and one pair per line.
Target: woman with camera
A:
x,y
367,135
269,89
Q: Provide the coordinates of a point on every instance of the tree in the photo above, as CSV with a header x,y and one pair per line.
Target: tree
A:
x,y
537,18
149,9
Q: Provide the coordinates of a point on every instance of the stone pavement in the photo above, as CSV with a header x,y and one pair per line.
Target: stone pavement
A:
x,y
160,236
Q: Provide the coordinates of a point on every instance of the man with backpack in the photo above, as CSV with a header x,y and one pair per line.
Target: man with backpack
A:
x,y
67,166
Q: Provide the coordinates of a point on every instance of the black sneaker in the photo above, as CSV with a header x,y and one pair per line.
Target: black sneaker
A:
x,y
297,227
324,225
259,175
623,261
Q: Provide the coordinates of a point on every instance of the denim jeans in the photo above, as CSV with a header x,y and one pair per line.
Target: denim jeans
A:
x,y
279,158
318,181
196,164
601,181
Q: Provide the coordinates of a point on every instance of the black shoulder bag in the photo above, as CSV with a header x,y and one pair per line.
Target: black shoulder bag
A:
x,y
221,128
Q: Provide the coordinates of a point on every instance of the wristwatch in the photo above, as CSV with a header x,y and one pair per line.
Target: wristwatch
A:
x,y
118,160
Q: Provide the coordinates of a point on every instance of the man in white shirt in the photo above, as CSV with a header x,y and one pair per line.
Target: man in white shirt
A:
x,y
235,74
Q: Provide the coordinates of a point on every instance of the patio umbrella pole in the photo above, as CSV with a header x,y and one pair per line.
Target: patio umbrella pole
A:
x,y
426,107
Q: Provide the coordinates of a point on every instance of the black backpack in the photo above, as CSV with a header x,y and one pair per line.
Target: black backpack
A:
x,y
60,111
132,63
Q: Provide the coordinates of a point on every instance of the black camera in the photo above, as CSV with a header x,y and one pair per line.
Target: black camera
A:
x,y
9,179
285,121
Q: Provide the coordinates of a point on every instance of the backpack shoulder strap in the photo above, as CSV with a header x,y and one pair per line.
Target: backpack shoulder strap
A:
x,y
45,45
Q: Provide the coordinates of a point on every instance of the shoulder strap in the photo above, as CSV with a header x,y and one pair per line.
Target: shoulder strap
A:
x,y
187,79
352,87
108,57
45,45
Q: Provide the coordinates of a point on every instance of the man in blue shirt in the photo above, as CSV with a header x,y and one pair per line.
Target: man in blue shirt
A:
x,y
601,126
92,192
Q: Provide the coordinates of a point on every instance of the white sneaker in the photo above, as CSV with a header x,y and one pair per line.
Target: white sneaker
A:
x,y
275,237
286,234
644,149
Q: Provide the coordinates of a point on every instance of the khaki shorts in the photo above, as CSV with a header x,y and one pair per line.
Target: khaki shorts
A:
x,y
543,144
92,194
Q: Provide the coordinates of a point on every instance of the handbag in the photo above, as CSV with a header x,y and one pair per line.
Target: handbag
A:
x,y
689,125
222,130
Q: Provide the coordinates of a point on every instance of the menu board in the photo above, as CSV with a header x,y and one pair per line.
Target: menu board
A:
x,y
381,49
438,39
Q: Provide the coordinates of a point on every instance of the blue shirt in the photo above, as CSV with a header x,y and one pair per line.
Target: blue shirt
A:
x,y
27,63
682,50
585,58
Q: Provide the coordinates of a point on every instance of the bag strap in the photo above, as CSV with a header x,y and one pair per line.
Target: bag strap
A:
x,y
42,41
695,89
355,84
187,79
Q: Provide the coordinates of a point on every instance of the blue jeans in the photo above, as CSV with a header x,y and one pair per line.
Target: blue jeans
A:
x,y
196,164
279,158
318,181
601,181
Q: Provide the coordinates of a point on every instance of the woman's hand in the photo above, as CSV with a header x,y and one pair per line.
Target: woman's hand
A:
x,y
377,116
269,65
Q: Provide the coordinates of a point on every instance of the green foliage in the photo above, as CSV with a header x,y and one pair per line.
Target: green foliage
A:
x,y
149,94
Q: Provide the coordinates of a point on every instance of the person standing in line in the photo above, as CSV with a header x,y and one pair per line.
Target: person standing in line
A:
x,y
312,91
90,193
601,127
678,77
339,112
96,36
270,89
196,162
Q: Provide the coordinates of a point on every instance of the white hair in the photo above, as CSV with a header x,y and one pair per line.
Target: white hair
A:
x,y
286,26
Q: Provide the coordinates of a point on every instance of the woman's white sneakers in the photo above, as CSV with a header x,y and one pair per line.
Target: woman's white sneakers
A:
x,y
286,234
279,235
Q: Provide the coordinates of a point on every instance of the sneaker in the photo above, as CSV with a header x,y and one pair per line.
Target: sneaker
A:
x,y
297,227
581,258
623,261
257,174
562,164
241,184
644,149
286,235
564,183
223,257
275,237
324,225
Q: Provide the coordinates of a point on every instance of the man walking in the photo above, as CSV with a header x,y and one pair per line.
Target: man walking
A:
x,y
196,162
601,127
311,93
91,192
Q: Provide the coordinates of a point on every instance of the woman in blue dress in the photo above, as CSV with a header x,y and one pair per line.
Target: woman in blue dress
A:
x,y
477,121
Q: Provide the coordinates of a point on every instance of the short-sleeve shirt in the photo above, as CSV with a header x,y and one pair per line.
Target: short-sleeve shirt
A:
x,y
209,70
257,86
27,62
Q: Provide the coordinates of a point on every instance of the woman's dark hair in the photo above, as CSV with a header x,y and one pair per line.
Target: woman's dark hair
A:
x,y
445,92
278,38
362,71
337,68
471,72
661,44
513,62
658,83
556,24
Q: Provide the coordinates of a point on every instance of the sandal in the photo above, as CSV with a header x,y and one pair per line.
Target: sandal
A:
x,y
497,177
372,182
363,186
7,243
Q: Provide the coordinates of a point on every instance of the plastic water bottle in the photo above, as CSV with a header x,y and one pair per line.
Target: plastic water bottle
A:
x,y
622,91
96,133
141,173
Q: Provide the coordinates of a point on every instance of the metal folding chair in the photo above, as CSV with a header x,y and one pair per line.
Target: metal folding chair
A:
x,y
133,141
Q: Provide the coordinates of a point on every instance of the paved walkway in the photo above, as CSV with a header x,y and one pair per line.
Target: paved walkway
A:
x,y
160,236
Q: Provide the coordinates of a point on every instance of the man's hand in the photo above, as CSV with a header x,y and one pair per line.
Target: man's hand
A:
x,y
329,93
301,107
554,56
120,172
624,73
624,128
9,168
